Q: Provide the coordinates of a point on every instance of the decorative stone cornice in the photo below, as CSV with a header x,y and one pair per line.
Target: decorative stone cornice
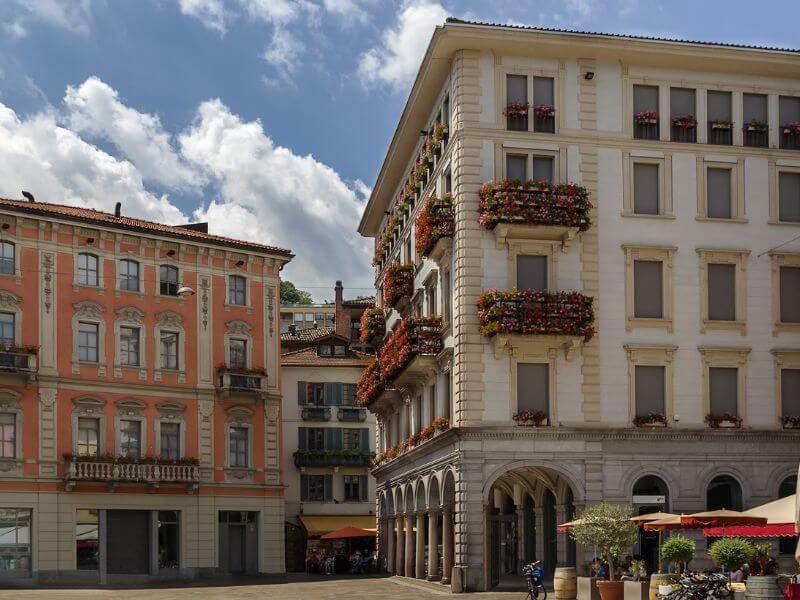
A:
x,y
9,300
238,327
88,309
130,314
169,318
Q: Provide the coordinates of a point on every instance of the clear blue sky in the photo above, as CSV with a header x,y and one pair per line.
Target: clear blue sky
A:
x,y
270,118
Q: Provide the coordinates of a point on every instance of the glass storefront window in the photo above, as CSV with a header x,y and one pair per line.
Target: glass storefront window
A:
x,y
87,539
168,539
15,541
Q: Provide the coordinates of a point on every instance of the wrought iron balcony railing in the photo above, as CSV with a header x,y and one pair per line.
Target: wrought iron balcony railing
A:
x,y
332,458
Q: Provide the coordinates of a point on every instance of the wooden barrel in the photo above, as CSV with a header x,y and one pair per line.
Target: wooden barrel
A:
x,y
565,583
763,587
657,579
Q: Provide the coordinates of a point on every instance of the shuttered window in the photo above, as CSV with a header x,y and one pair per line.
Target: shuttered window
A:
x,y
645,112
645,98
754,108
789,197
789,110
517,91
531,272
543,95
720,120
721,292
645,189
650,389
516,167
648,289
316,488
790,293
533,386
543,168
683,104
718,193
723,386
790,392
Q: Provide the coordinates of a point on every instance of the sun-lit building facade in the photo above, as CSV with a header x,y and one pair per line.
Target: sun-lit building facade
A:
x,y
139,399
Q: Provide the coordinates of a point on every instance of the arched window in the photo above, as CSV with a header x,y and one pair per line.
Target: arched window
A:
x,y
168,280
724,492
129,275
88,272
237,290
7,258
647,494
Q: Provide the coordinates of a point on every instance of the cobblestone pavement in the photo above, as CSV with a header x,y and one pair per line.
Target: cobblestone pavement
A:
x,y
306,589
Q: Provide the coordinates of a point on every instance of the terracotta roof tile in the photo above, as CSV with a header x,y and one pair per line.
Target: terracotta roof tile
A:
x,y
307,335
364,303
90,215
308,357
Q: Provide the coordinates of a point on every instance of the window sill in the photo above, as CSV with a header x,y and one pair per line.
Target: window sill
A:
x,y
85,286
632,215
784,223
130,292
708,324
738,220
785,328
645,322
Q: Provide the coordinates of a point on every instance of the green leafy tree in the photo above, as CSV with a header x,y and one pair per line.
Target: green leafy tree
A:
x,y
731,553
609,528
679,550
762,554
291,295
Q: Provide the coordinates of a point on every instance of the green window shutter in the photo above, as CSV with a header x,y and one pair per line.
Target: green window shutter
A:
x,y
303,487
337,391
301,392
363,482
328,485
364,439
301,438
333,438
330,394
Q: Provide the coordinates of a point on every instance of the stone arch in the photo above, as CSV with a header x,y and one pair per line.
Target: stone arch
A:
x,y
399,505
542,467
779,474
448,488
409,498
420,495
720,479
434,492
657,479
635,473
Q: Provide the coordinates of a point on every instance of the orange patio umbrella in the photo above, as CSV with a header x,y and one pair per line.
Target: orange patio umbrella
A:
x,y
348,532
721,518
668,524
650,517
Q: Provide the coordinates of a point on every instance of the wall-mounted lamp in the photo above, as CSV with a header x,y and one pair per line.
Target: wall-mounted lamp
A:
x,y
185,291
90,240
589,75
170,252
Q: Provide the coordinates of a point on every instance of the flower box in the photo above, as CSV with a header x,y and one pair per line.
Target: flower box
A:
x,y
791,421
756,127
722,125
792,129
397,283
373,324
648,117
436,427
530,312
684,122
517,110
533,202
653,419
528,418
436,220
723,421
545,111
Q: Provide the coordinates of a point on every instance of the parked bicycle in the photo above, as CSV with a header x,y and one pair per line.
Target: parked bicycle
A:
x,y
534,577
696,586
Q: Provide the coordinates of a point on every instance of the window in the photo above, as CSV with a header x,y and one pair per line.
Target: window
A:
x,y
721,292
8,265
540,167
789,114
531,272
533,387
316,488
650,390
169,350
168,539
88,337
789,294
15,525
430,298
645,112
130,438
87,539
238,447
339,350
790,392
168,280
314,393
448,182
719,195
649,298
170,434
516,167
355,488
355,439
720,120
446,299
129,275
88,271
88,443
237,294
348,394
683,115
648,289
646,185
314,438
7,335
789,196
516,93
756,122
544,105
237,353
129,346
723,390
408,251
8,435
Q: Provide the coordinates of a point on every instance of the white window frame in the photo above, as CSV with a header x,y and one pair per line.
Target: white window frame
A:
x,y
775,169
725,357
93,408
172,265
738,258
98,257
10,403
139,278
130,409
736,167
239,416
170,322
664,163
247,294
170,412
87,311
130,316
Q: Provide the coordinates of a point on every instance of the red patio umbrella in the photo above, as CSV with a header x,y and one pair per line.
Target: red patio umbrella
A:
x,y
348,532
752,531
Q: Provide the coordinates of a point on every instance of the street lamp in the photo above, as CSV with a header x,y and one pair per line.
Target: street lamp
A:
x,y
185,291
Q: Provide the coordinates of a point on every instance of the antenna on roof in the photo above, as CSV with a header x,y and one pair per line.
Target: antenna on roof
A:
x,y
28,196
118,209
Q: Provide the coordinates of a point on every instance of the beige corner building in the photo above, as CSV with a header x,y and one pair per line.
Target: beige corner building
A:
x,y
690,153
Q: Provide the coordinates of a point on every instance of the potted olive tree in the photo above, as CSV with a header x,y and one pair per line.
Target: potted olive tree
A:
x,y
609,528
679,551
731,553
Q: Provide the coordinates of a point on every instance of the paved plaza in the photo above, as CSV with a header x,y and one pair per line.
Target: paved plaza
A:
x,y
389,588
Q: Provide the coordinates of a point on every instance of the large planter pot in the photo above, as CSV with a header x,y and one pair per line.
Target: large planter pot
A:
x,y
611,590
565,583
763,587
587,588
657,579
637,590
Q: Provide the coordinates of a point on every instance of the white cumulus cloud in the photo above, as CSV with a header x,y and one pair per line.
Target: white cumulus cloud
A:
x,y
94,109
396,59
210,13
74,15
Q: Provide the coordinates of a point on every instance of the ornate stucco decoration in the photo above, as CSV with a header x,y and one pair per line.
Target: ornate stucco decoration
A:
x,y
8,300
130,406
238,327
88,309
47,278
204,287
239,415
130,314
169,318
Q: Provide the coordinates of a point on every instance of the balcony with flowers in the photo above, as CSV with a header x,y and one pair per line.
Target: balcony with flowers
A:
x,y
408,354
558,319
398,285
437,427
534,210
373,325
435,226
332,458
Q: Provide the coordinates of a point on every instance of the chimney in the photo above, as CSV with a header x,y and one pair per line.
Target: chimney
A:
x,y
293,329
118,209
341,320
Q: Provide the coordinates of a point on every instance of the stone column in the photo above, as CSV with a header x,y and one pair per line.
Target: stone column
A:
x,y
408,569
538,518
447,544
433,544
521,533
419,563
399,554
562,538
390,525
